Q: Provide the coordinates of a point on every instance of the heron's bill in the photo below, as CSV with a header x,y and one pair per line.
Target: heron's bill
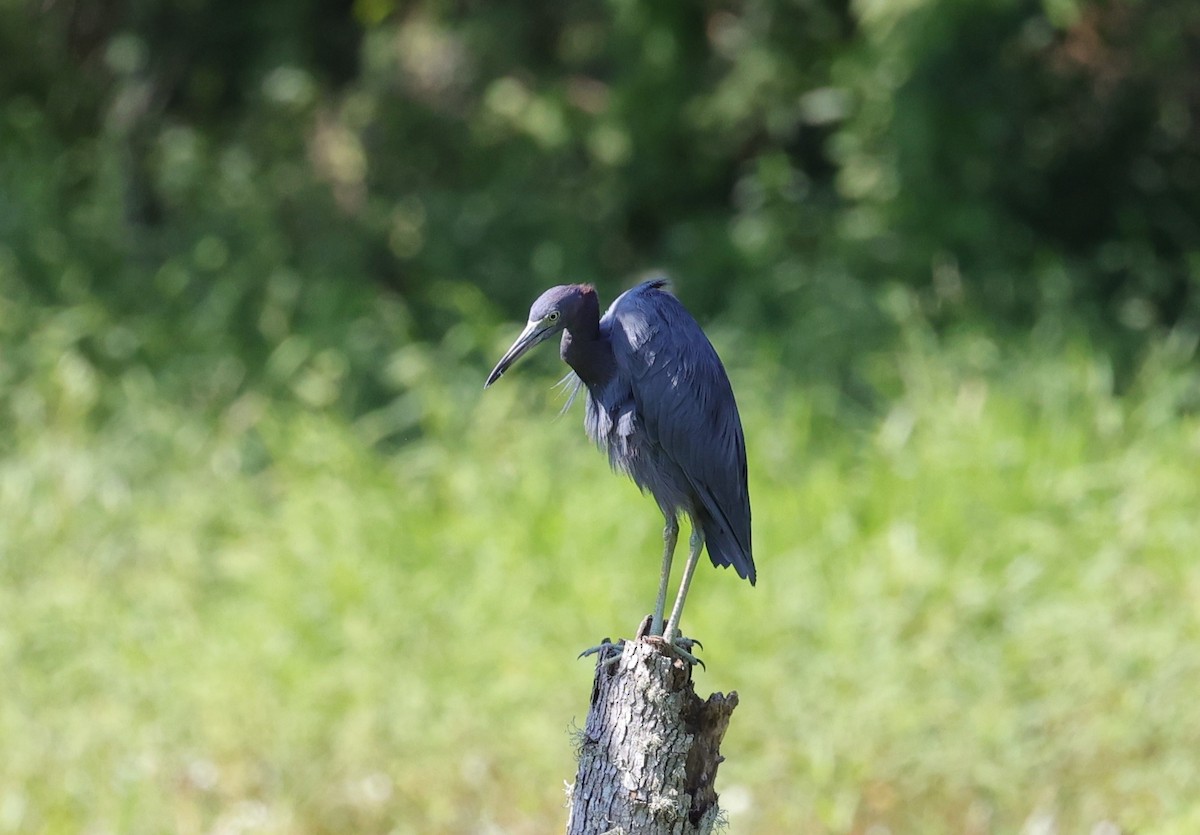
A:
x,y
534,333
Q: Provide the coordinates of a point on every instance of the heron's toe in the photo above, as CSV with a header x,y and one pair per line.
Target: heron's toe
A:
x,y
606,651
681,647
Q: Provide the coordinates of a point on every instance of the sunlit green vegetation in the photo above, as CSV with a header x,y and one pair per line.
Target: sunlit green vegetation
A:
x,y
978,606
271,561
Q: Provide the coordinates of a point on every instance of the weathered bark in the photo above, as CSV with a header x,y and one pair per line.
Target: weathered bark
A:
x,y
650,749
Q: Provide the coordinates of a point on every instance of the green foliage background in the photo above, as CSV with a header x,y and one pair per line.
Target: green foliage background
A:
x,y
271,562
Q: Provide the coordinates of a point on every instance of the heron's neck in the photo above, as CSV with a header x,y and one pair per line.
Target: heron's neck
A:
x,y
584,348
589,356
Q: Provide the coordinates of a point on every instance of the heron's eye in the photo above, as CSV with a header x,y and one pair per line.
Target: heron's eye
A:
x,y
552,316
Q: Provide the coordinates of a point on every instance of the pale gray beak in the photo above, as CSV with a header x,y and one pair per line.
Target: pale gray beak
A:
x,y
534,333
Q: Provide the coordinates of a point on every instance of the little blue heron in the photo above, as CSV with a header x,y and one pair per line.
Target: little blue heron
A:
x,y
660,404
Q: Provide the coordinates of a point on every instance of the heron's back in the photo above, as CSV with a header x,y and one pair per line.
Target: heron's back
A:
x,y
668,418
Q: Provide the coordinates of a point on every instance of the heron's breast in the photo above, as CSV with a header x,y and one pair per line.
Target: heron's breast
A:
x,y
614,426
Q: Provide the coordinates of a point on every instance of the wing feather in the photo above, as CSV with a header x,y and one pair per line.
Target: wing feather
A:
x,y
687,406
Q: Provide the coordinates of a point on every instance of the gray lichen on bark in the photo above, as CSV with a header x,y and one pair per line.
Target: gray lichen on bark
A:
x,y
650,749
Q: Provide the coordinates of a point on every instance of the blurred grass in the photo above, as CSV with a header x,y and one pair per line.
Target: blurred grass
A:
x,y
978,609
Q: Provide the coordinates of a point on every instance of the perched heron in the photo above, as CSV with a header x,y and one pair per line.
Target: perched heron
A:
x,y
660,404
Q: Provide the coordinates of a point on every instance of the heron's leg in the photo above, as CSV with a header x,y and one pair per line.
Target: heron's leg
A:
x,y
697,543
670,538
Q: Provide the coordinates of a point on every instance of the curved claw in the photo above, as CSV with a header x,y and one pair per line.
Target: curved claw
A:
x,y
688,657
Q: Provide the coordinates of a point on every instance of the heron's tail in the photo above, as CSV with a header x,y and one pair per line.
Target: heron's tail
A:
x,y
725,548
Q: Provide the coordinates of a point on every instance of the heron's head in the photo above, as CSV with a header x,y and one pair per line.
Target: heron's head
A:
x,y
558,308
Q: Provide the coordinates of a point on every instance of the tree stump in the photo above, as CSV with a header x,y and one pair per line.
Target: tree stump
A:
x,y
650,750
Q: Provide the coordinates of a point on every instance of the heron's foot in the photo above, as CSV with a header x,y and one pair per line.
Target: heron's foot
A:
x,y
681,647
608,652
